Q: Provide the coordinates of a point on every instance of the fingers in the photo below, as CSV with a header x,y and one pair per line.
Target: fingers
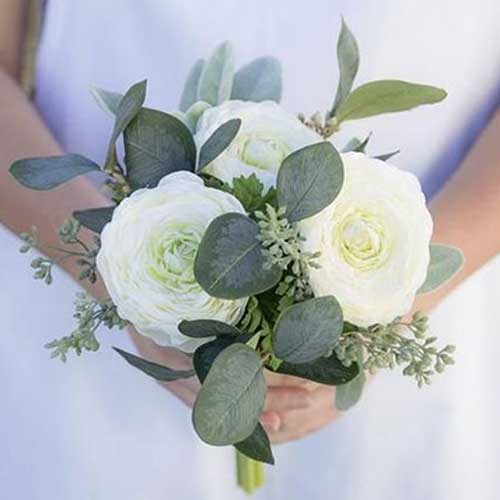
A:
x,y
278,379
286,398
271,421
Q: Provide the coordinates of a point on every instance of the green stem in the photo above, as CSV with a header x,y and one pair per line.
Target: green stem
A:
x,y
249,473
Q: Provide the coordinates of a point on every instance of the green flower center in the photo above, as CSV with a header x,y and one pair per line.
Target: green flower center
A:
x,y
362,240
261,151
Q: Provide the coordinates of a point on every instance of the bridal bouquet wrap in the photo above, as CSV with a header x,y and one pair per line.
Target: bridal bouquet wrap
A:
x,y
244,236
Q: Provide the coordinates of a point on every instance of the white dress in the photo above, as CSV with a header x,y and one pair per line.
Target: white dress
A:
x,y
94,429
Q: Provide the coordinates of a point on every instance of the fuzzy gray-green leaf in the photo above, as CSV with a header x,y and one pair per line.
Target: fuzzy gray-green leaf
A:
x,y
229,263
231,400
347,395
309,180
445,262
218,142
108,101
190,91
386,96
306,331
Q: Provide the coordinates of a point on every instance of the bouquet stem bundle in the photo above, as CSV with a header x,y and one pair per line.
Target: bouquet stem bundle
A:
x,y
249,473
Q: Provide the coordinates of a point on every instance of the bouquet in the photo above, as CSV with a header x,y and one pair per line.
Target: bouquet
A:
x,y
241,235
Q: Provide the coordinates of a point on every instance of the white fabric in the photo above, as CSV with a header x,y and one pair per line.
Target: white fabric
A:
x,y
96,429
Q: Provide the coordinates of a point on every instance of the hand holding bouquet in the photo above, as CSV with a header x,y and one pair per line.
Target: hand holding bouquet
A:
x,y
242,236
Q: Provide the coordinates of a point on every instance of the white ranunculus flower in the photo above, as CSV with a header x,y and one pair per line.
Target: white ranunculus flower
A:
x,y
374,242
147,257
267,135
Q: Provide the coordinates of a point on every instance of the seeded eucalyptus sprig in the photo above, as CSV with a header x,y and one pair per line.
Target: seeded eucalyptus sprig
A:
x,y
385,346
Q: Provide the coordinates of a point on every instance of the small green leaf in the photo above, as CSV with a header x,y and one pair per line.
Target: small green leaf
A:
x,y
259,80
306,331
193,114
216,79
128,108
229,263
205,355
157,144
347,395
387,156
329,371
309,180
46,173
95,218
386,96
250,192
200,328
108,101
445,262
348,61
231,400
158,372
218,142
257,446
190,92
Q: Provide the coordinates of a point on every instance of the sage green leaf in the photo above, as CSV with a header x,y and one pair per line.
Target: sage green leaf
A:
x,y
216,79
190,91
95,218
351,145
231,400
348,61
108,101
49,172
387,156
347,395
386,96
259,80
205,355
257,446
128,108
218,142
194,113
309,180
157,144
158,372
200,328
445,262
326,370
229,263
306,331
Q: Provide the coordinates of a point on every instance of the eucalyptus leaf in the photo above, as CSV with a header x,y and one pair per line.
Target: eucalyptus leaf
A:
x,y
257,446
157,144
386,96
347,395
190,91
445,262
229,263
387,156
352,145
95,218
108,101
348,61
309,180
155,370
216,78
200,328
308,330
231,399
49,172
259,80
218,142
128,108
205,355
325,370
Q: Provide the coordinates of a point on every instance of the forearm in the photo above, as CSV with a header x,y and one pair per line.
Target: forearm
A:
x,y
23,134
467,211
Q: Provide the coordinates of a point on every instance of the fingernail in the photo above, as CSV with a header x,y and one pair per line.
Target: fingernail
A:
x,y
270,422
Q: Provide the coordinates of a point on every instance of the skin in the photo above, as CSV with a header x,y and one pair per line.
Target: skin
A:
x,y
466,214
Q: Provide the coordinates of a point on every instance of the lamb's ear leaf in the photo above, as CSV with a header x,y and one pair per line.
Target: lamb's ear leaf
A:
x,y
231,399
107,100
309,180
229,263
155,370
386,96
347,395
348,61
216,78
94,218
259,80
190,91
49,172
129,106
218,142
445,262
257,446
156,144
